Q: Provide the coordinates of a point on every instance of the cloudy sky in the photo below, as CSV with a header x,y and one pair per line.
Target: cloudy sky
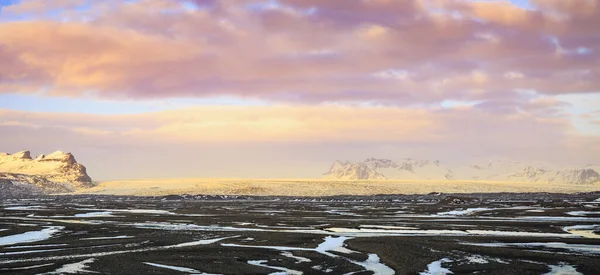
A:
x,y
281,88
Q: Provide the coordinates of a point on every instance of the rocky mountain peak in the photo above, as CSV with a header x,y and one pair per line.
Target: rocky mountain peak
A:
x,y
60,156
58,167
21,155
380,169
500,170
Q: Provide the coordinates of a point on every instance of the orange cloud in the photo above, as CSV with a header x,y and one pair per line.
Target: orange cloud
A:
x,y
302,51
310,124
503,12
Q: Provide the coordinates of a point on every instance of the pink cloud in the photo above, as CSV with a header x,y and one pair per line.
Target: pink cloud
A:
x,y
305,51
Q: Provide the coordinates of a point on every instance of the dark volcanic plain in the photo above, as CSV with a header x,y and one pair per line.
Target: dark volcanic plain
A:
x,y
505,233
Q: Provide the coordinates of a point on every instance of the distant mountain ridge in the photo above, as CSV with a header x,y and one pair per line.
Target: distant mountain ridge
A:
x,y
57,172
413,169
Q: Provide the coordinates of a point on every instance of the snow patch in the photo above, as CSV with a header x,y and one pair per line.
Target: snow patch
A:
x,y
373,263
74,268
586,231
386,227
464,212
200,242
108,238
297,258
94,215
26,207
583,213
30,251
133,211
261,263
435,268
31,236
477,259
333,244
562,269
35,246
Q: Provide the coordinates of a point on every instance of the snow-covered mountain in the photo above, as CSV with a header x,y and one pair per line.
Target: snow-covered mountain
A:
x,y
381,169
56,172
412,169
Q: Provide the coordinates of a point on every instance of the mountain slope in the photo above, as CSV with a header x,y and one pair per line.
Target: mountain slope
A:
x,y
412,169
56,172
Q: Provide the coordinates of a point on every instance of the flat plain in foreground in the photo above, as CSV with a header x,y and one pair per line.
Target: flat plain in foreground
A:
x,y
501,233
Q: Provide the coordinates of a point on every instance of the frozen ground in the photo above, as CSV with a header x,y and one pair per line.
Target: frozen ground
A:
x,y
517,233
320,187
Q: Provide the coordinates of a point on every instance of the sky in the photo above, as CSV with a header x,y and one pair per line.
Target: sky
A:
x,y
282,88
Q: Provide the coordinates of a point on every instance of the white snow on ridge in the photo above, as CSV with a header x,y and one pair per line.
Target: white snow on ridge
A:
x,y
31,236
